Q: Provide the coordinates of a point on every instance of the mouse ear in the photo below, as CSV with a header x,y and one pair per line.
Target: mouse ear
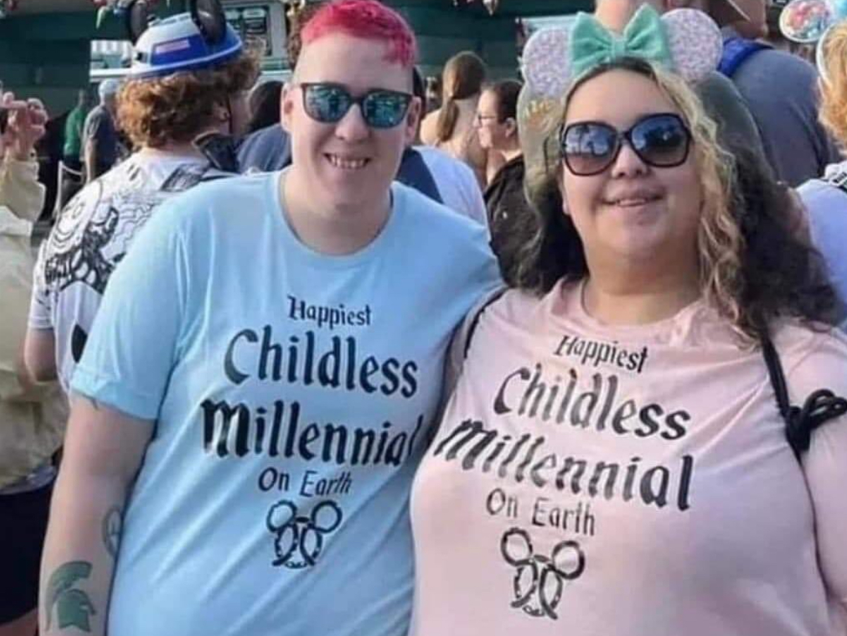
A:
x,y
280,515
210,18
326,516
516,547
695,41
137,19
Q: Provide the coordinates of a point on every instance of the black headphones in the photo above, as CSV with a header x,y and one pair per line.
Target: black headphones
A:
x,y
208,15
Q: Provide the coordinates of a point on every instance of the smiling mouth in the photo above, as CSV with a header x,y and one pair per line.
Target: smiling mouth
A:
x,y
346,164
633,201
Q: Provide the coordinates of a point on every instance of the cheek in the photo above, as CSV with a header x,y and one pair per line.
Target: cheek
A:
x,y
579,193
688,192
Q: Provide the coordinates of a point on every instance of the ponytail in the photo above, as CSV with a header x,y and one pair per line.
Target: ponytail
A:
x,y
447,117
463,77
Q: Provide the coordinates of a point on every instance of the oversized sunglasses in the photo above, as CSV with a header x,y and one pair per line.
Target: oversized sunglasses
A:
x,y
660,140
328,103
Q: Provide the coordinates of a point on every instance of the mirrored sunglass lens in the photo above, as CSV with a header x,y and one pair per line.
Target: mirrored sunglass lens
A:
x,y
661,141
327,103
588,148
384,110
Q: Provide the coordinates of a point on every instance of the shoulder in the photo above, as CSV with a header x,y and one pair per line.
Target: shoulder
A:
x,y
95,114
822,199
438,221
771,72
785,61
439,162
446,237
428,127
813,357
266,149
234,203
815,191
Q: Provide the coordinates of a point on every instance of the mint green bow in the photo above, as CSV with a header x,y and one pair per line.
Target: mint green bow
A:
x,y
592,44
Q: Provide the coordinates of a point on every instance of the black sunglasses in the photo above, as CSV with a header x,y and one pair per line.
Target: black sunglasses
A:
x,y
590,147
328,103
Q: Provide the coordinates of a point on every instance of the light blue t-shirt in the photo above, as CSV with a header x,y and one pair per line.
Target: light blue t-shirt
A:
x,y
826,206
293,394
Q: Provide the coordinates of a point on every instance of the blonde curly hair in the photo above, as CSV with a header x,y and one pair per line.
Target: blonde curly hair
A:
x,y
833,112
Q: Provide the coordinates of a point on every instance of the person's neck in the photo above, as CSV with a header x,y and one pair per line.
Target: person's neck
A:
x,y
337,231
511,153
632,296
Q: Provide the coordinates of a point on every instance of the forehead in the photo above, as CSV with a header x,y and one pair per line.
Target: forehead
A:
x,y
488,101
599,98
357,63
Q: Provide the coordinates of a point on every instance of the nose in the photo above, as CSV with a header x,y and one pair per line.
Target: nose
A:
x,y
628,163
352,127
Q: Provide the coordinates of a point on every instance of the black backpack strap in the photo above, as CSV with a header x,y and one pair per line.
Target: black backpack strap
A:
x,y
472,321
821,406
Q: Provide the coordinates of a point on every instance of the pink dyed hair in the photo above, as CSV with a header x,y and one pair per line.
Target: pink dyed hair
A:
x,y
368,20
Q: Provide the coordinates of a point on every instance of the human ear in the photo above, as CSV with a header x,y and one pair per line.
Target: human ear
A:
x,y
412,120
286,107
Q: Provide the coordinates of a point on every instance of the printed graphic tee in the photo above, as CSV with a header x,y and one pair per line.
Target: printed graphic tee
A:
x,y
293,394
90,239
630,481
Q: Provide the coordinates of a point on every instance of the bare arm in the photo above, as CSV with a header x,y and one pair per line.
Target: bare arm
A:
x,y
40,354
90,154
103,452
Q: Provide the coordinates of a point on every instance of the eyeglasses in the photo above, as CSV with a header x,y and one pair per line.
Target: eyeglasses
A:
x,y
661,140
481,119
328,103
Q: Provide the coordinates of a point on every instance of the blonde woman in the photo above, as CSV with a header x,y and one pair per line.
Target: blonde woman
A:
x,y
614,460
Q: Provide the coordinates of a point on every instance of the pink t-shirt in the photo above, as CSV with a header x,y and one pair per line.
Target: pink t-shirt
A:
x,y
630,481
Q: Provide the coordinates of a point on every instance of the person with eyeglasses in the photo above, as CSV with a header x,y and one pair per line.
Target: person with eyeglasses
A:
x,y
510,218
263,376
620,455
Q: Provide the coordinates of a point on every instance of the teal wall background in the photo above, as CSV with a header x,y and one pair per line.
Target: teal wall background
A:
x,y
48,55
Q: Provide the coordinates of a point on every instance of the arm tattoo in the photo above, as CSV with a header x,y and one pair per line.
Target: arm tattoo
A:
x,y
112,529
73,607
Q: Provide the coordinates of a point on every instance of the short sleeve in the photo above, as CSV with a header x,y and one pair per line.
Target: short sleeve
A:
x,y
93,125
474,203
825,463
132,347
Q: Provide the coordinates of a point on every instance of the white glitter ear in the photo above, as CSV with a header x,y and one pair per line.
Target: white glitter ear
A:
x,y
547,77
695,41
546,63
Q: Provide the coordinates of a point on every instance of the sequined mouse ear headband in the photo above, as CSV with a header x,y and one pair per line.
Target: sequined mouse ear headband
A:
x,y
684,41
811,22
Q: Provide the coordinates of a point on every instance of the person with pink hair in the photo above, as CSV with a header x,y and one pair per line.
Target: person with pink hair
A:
x,y
263,374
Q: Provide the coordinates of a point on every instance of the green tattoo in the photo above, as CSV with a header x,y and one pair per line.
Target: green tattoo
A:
x,y
73,607
112,529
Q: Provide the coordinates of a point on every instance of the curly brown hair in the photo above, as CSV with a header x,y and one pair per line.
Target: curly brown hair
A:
x,y
754,264
179,107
